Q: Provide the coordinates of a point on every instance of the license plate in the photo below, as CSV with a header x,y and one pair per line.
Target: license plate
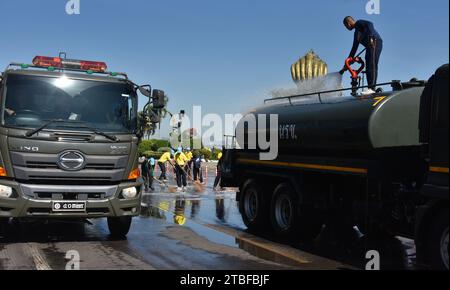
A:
x,y
69,206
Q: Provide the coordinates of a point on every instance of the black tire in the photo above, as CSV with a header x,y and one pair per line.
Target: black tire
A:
x,y
437,247
285,212
252,205
119,226
298,222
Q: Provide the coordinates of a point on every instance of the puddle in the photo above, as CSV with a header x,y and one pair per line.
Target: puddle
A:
x,y
201,212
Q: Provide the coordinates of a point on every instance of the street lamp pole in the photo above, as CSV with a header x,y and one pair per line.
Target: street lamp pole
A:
x,y
180,121
176,127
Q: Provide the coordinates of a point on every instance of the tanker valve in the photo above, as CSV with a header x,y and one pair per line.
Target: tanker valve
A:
x,y
354,73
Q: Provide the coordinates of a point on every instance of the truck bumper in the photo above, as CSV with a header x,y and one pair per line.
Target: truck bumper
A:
x,y
31,200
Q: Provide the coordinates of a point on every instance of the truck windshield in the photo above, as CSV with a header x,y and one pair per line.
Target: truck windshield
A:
x,y
32,101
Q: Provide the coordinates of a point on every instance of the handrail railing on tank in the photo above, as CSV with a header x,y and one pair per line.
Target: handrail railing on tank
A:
x,y
319,94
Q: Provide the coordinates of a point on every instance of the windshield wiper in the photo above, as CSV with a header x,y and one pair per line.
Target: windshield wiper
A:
x,y
31,132
98,132
94,130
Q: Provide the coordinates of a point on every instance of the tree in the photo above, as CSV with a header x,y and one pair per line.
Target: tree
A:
x,y
152,118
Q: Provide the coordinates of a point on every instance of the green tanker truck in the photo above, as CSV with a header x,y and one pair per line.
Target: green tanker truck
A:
x,y
375,162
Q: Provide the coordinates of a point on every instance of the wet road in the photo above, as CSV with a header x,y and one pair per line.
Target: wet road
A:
x,y
186,231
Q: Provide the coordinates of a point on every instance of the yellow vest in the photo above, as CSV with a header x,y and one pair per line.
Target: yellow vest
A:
x,y
189,155
164,158
181,159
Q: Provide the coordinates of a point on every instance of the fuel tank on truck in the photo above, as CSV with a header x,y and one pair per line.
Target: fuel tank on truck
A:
x,y
341,126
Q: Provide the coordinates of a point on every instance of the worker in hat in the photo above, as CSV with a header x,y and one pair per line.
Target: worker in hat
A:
x,y
366,35
189,156
180,163
151,172
197,167
145,172
219,172
189,153
166,157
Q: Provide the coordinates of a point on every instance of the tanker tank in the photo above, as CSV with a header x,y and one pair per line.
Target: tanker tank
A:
x,y
344,126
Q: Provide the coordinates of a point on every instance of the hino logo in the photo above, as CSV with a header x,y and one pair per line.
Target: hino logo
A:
x,y
71,160
27,148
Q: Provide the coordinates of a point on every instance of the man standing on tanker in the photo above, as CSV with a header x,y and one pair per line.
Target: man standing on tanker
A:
x,y
366,35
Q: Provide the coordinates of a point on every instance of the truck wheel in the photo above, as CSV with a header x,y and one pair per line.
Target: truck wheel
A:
x,y
252,206
437,247
119,226
284,212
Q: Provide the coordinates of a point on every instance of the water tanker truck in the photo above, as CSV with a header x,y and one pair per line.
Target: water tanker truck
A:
x,y
69,135
377,162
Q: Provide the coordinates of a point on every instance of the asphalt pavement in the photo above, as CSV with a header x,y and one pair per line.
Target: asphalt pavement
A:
x,y
186,231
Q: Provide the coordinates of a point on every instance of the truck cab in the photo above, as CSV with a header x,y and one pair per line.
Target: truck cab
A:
x,y
68,142
432,234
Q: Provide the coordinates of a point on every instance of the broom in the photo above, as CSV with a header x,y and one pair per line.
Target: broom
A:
x,y
172,189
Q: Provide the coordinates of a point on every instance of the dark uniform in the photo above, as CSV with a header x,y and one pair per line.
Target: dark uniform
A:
x,y
366,35
146,173
219,174
197,168
151,172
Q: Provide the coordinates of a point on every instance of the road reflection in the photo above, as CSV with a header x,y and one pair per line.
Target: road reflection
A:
x,y
213,208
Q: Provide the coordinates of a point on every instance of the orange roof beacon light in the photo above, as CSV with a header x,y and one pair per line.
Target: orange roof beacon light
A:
x,y
45,61
61,63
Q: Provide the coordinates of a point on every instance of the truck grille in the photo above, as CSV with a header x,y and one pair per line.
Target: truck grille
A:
x,y
64,192
42,168
49,165
31,177
70,196
42,165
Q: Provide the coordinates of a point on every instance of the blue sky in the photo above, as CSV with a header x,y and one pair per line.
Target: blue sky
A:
x,y
223,54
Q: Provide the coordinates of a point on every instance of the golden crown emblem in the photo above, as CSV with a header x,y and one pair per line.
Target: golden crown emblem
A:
x,y
308,67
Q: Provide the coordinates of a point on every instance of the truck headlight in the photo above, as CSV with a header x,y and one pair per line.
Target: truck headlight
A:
x,y
129,193
5,191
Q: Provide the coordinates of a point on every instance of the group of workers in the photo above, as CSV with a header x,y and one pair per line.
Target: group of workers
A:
x,y
184,162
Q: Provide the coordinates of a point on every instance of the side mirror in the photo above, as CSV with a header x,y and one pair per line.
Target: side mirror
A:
x,y
146,91
158,99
